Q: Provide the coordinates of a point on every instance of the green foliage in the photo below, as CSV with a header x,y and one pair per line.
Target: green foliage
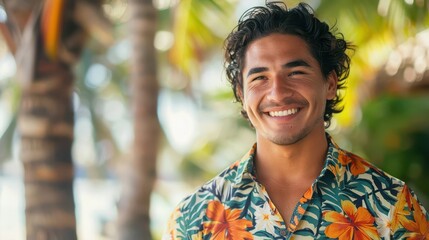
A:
x,y
196,30
10,94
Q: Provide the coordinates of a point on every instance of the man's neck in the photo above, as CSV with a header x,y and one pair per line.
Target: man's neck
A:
x,y
286,164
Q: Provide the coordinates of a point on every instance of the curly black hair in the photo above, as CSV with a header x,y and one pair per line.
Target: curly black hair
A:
x,y
327,47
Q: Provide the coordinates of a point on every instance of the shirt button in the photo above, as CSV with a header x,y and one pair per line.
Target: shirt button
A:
x,y
283,232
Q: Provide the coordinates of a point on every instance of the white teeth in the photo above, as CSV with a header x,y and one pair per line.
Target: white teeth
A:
x,y
283,113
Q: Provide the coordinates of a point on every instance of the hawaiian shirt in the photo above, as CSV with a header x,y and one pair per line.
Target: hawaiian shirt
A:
x,y
350,199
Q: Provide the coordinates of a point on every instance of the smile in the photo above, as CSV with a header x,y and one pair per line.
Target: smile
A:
x,y
283,113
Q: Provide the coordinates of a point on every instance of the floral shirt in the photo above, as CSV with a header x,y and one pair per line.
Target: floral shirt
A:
x,y
351,199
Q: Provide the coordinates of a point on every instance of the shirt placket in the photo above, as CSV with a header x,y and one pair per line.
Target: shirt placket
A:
x,y
283,230
286,230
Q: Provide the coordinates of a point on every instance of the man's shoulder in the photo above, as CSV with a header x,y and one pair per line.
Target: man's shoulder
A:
x,y
214,196
362,170
365,184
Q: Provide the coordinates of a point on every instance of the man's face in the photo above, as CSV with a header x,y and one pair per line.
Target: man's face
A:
x,y
284,91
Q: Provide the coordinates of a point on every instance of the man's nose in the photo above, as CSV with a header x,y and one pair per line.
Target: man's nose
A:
x,y
280,88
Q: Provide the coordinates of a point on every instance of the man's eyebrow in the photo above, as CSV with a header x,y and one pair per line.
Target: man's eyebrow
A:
x,y
296,63
256,70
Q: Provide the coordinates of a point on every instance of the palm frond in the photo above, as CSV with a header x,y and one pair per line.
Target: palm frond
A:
x,y
198,27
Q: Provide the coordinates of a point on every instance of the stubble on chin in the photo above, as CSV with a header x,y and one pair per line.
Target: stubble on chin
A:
x,y
291,137
285,140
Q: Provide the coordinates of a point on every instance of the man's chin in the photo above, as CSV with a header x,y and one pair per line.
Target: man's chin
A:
x,y
285,140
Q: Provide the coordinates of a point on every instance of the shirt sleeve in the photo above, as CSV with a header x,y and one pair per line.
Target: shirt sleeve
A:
x,y
175,226
409,218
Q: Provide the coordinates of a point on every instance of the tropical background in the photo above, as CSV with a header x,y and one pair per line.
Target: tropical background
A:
x,y
112,111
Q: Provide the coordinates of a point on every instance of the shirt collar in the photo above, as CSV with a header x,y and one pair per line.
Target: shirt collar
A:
x,y
245,168
332,163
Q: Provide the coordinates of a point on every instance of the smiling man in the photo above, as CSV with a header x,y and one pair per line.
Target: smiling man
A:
x,y
286,68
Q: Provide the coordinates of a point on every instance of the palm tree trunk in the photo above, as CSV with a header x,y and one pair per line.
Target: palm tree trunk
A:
x,y
45,124
46,128
140,172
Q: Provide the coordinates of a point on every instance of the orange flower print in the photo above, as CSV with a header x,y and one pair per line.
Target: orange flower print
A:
x,y
337,170
420,228
226,223
307,195
357,164
355,224
401,212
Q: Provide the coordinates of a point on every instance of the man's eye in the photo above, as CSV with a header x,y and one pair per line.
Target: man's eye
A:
x,y
295,73
259,78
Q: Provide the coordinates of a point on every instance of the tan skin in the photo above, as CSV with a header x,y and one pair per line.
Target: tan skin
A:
x,y
284,94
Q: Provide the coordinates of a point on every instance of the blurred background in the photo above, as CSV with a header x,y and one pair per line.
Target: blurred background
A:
x,y
135,70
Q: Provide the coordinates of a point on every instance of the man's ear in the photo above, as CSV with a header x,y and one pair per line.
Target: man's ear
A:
x,y
239,90
332,81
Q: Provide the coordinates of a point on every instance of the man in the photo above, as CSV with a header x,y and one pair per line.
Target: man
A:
x,y
286,68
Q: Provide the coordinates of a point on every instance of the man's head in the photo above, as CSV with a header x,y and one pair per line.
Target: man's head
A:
x,y
328,49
